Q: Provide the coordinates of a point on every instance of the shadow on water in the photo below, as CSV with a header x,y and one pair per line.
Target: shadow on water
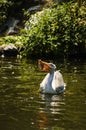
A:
x,y
23,108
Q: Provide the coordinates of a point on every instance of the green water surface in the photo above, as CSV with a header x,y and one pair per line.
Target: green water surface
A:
x,y
22,107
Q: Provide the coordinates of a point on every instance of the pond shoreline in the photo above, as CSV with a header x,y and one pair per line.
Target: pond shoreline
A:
x,y
14,49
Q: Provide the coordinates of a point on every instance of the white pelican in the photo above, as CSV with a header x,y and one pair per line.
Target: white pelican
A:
x,y
53,82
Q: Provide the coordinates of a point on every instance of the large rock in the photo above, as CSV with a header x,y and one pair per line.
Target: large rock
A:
x,y
12,23
10,50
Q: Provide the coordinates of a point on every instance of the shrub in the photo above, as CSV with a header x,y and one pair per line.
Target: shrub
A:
x,y
57,31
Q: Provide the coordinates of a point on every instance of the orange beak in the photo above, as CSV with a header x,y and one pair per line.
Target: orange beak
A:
x,y
43,66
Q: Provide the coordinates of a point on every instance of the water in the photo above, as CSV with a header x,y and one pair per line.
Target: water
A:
x,y
22,107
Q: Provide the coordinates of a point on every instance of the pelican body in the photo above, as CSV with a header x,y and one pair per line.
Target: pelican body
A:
x,y
53,82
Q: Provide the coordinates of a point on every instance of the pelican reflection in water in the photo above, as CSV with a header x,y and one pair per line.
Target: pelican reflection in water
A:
x,y
53,82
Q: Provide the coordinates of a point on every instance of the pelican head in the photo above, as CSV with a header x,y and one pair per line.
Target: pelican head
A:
x,y
45,66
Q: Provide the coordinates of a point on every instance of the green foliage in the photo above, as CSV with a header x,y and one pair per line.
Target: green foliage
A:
x,y
9,8
57,31
16,40
3,11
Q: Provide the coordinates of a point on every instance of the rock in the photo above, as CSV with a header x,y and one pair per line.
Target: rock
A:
x,y
34,8
9,28
12,23
10,50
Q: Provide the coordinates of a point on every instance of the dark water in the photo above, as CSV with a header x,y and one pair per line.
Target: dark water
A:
x,y
22,107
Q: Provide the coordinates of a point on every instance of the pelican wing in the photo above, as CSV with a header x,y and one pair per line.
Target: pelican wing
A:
x,y
57,80
44,81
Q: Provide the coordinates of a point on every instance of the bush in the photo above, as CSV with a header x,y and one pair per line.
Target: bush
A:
x,y
3,11
57,31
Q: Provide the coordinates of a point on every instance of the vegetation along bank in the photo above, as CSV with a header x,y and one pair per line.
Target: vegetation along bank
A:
x,y
57,30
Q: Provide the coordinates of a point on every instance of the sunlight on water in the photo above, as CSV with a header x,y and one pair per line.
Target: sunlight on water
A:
x,y
22,107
